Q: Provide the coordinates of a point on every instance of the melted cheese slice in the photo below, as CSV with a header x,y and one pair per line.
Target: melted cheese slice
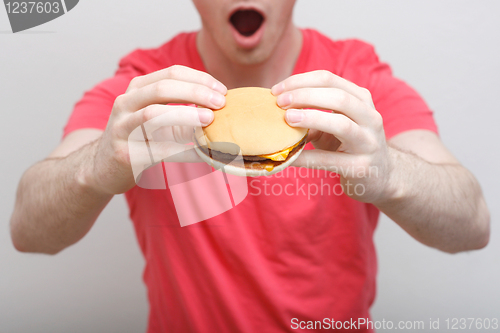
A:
x,y
281,155
269,167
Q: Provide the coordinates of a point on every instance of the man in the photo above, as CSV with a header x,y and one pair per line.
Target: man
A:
x,y
273,261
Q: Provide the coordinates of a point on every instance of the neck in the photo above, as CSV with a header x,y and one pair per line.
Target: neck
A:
x,y
278,66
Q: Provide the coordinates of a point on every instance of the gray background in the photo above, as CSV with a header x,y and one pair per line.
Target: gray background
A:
x,y
448,50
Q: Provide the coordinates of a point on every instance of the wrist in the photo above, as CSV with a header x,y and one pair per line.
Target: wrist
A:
x,y
394,185
86,175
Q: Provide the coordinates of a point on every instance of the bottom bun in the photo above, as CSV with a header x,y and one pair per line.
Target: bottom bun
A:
x,y
241,170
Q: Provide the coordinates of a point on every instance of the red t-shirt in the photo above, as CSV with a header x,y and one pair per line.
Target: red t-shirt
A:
x,y
275,261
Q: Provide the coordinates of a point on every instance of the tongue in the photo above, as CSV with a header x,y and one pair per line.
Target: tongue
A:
x,y
247,22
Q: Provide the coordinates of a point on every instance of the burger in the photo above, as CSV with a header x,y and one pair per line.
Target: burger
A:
x,y
249,135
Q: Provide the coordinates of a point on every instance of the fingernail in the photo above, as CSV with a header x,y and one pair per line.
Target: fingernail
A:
x,y
217,86
284,99
278,89
294,116
206,116
217,99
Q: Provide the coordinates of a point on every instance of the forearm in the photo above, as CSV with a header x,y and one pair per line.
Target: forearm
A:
x,y
54,206
440,205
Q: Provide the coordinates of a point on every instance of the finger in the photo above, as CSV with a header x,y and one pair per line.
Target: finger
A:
x,y
156,116
312,135
317,158
174,152
336,124
328,98
144,155
322,79
170,91
179,73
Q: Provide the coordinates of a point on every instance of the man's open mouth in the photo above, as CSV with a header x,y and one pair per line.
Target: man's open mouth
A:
x,y
246,21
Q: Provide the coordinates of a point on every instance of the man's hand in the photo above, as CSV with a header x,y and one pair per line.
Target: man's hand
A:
x,y
59,198
349,137
146,104
415,181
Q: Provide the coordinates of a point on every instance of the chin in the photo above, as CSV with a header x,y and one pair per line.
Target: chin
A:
x,y
249,58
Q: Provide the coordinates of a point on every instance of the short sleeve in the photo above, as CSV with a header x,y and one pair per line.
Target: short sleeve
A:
x,y
401,107
94,108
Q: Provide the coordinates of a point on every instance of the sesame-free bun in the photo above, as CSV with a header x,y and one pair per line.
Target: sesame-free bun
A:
x,y
253,120
249,135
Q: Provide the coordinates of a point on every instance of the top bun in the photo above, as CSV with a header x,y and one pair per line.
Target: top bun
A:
x,y
253,120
